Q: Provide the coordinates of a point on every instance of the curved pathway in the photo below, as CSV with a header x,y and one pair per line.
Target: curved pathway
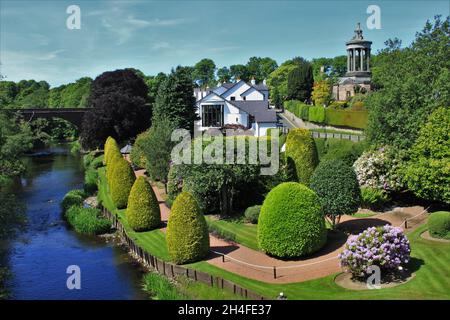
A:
x,y
256,265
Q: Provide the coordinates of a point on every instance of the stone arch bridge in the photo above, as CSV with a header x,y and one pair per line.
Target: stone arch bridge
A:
x,y
73,115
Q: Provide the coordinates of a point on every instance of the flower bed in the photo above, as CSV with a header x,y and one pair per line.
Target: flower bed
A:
x,y
386,247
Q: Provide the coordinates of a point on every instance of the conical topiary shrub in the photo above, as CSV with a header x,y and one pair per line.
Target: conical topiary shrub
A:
x,y
301,152
143,209
111,149
187,232
121,181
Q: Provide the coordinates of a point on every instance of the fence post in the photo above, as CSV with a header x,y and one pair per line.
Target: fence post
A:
x,y
406,224
223,258
274,272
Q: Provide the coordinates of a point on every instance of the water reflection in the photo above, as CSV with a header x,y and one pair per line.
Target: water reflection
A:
x,y
40,256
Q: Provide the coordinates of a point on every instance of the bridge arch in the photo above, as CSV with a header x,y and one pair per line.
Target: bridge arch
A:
x,y
73,115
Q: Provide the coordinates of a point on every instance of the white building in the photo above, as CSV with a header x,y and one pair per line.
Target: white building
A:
x,y
237,103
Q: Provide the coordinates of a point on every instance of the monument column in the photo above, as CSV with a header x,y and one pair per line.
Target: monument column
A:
x,y
361,53
354,60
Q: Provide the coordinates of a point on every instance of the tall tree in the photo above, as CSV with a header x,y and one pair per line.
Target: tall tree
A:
x,y
224,74
411,83
119,108
260,68
203,73
175,100
300,82
239,71
279,77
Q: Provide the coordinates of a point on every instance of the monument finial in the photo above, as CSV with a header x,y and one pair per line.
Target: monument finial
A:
x,y
358,32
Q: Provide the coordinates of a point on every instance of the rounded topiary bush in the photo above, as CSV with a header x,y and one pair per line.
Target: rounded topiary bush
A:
x,y
252,213
336,184
301,152
385,246
187,232
439,224
291,222
143,209
121,180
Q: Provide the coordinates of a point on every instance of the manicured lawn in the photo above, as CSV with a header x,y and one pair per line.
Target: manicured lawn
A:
x,y
243,233
336,131
432,279
431,259
364,214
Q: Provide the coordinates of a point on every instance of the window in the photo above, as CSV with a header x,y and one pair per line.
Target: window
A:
x,y
348,94
244,98
212,115
232,98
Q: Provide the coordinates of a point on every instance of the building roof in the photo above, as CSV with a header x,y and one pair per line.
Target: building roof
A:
x,y
258,87
259,109
126,149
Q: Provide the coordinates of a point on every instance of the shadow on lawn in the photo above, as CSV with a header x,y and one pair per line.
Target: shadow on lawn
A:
x,y
357,226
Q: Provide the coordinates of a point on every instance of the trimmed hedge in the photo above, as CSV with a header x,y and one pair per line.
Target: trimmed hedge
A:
x,y
347,118
336,185
143,211
87,220
252,213
301,153
291,223
335,116
73,198
439,224
316,114
121,179
187,232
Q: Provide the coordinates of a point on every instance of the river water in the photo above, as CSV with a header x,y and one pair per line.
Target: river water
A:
x,y
40,255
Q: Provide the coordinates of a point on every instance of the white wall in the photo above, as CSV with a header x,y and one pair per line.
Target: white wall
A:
x,y
236,91
261,128
254,95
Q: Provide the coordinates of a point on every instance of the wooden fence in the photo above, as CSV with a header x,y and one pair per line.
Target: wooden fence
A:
x,y
171,270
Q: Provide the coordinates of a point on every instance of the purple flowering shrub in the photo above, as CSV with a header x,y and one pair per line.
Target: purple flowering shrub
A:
x,y
386,247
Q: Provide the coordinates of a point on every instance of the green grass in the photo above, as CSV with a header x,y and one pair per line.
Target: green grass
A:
x,y
432,260
364,215
243,233
432,279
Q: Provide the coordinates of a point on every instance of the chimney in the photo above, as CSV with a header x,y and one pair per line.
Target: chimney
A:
x,y
253,81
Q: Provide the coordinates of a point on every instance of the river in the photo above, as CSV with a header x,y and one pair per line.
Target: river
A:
x,y
40,255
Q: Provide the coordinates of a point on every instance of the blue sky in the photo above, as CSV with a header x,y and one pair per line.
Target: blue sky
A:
x,y
156,36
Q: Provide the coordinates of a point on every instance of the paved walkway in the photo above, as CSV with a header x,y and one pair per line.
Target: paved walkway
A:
x,y
258,266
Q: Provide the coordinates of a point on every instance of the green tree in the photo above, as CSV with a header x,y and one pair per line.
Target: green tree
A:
x,y
321,94
411,83
175,101
427,173
187,232
279,77
260,68
239,71
143,211
300,82
224,75
16,137
336,185
203,73
157,148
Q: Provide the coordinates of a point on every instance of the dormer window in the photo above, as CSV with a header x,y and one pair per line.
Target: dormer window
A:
x,y
232,98
244,98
